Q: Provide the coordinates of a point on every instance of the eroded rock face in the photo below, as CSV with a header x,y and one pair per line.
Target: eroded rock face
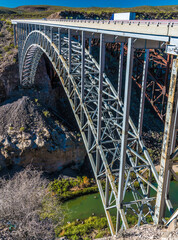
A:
x,y
30,134
146,232
9,71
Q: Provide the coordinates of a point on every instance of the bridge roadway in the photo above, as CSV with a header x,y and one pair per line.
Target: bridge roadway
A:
x,y
113,142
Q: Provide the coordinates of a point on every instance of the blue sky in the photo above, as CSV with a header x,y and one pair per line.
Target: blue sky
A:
x,y
88,3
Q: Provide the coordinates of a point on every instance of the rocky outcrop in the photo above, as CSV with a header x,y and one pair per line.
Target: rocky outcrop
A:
x,y
147,232
29,133
79,15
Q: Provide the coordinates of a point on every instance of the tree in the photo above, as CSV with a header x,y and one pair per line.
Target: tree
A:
x,y
21,207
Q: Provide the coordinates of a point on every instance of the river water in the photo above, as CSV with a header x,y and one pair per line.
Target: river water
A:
x,y
90,205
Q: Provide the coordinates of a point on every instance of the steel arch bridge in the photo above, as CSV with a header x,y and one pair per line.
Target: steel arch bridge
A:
x,y
115,148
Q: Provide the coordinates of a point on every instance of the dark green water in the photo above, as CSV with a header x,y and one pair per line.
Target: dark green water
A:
x,y
88,205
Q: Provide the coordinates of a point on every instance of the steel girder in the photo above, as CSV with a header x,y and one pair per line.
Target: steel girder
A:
x,y
118,156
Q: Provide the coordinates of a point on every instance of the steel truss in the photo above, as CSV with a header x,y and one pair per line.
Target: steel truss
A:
x,y
158,72
118,156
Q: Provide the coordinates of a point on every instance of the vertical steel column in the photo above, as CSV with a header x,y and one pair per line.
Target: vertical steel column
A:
x,y
107,192
70,50
121,57
89,137
15,39
59,40
26,30
89,45
82,74
51,34
142,97
101,70
175,127
166,147
125,126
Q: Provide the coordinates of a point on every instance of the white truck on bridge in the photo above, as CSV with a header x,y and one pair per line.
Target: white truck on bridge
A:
x,y
123,16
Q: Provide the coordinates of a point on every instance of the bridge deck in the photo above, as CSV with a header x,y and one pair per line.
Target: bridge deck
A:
x,y
158,30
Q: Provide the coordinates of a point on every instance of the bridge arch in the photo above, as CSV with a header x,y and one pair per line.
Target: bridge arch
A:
x,y
100,117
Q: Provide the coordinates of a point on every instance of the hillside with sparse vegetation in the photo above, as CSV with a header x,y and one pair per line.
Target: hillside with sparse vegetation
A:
x,y
41,11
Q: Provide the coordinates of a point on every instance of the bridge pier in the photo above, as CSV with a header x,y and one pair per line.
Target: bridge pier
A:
x,y
101,71
82,75
120,70
165,165
143,89
15,35
125,127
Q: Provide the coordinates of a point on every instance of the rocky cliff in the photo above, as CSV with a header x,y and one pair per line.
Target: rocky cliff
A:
x,y
30,134
31,127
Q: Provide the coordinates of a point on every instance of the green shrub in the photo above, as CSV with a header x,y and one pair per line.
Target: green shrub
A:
x,y
10,29
8,22
11,45
63,188
100,234
2,34
22,129
84,228
6,48
46,113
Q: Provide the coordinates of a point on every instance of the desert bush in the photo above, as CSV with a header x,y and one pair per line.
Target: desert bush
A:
x,y
6,48
2,34
83,228
66,189
22,129
21,205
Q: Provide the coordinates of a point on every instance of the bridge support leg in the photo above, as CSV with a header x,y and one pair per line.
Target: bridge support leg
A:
x,y
101,70
51,34
82,75
166,147
142,98
59,40
121,57
127,95
70,49
89,45
15,35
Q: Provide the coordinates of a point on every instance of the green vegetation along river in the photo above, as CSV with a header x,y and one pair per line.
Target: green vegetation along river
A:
x,y
85,206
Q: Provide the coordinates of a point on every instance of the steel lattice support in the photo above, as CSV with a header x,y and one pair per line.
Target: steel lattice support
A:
x,y
165,165
115,148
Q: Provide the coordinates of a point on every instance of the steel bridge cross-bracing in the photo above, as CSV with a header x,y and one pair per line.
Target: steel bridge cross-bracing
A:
x,y
114,144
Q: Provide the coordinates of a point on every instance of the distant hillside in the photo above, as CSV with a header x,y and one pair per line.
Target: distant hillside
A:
x,y
40,11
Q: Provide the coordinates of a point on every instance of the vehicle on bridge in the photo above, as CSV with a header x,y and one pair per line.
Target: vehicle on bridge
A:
x,y
123,16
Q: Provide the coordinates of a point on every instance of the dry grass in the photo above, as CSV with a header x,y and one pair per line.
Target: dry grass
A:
x,y
21,201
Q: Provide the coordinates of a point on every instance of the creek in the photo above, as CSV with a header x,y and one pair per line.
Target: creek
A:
x,y
90,205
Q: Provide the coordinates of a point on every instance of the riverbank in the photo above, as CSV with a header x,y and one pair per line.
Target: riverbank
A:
x,y
82,210
70,188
